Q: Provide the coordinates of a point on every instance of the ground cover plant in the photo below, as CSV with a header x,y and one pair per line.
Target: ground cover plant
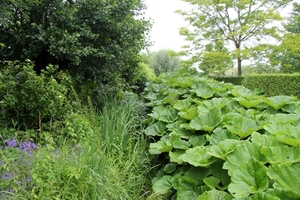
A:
x,y
220,141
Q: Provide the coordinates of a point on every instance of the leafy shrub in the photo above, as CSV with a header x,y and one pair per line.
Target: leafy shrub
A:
x,y
220,141
274,84
235,80
30,99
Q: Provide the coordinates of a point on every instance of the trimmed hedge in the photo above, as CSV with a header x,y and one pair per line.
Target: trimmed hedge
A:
x,y
235,80
274,84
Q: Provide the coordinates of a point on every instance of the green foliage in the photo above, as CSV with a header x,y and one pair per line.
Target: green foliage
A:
x,y
163,61
221,141
112,163
92,39
274,84
230,25
235,80
286,55
29,99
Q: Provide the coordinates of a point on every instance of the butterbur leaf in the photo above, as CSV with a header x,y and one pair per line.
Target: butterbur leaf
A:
x,y
283,118
197,140
250,178
160,146
162,185
242,126
222,174
207,105
281,154
265,139
277,102
286,176
171,98
156,129
198,156
282,193
249,102
170,168
277,129
203,91
219,135
178,143
164,113
190,113
211,181
261,196
182,105
215,195
175,156
207,121
187,189
242,153
223,148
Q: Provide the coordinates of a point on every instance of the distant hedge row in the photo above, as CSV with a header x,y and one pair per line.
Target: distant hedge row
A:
x,y
271,84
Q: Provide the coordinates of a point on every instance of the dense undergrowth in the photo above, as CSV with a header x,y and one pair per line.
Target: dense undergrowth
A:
x,y
55,146
220,141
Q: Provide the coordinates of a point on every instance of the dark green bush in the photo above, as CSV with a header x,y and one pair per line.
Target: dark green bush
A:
x,y
235,80
28,100
274,84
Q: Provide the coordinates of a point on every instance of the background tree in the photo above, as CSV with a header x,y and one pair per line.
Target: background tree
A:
x,y
92,39
243,25
215,59
286,56
163,61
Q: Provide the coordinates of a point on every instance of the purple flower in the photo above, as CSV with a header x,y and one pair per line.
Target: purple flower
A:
x,y
8,175
27,146
11,143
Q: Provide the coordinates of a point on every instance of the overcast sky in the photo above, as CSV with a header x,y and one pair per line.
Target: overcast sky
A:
x,y
165,30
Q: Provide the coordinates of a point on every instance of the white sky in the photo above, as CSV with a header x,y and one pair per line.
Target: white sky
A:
x,y
166,24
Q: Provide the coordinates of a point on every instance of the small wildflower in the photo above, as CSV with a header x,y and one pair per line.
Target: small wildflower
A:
x,y
11,143
27,146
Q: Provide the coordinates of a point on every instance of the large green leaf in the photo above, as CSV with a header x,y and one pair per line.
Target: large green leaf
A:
x,y
286,176
283,193
207,105
249,102
190,113
265,139
156,129
162,185
160,146
164,113
283,118
183,105
250,178
223,148
198,156
277,102
219,135
207,121
281,154
261,196
242,126
215,195
178,143
175,156
242,154
202,90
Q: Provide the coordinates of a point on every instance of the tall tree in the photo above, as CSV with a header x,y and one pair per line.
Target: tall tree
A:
x,y
286,56
163,61
92,39
244,25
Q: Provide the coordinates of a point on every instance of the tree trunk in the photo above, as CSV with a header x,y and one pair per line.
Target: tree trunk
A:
x,y
239,66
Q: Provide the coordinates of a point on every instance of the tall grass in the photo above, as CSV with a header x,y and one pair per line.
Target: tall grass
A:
x,y
111,163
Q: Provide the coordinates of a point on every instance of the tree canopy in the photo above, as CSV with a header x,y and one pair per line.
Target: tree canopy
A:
x,y
245,26
286,56
163,61
92,39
